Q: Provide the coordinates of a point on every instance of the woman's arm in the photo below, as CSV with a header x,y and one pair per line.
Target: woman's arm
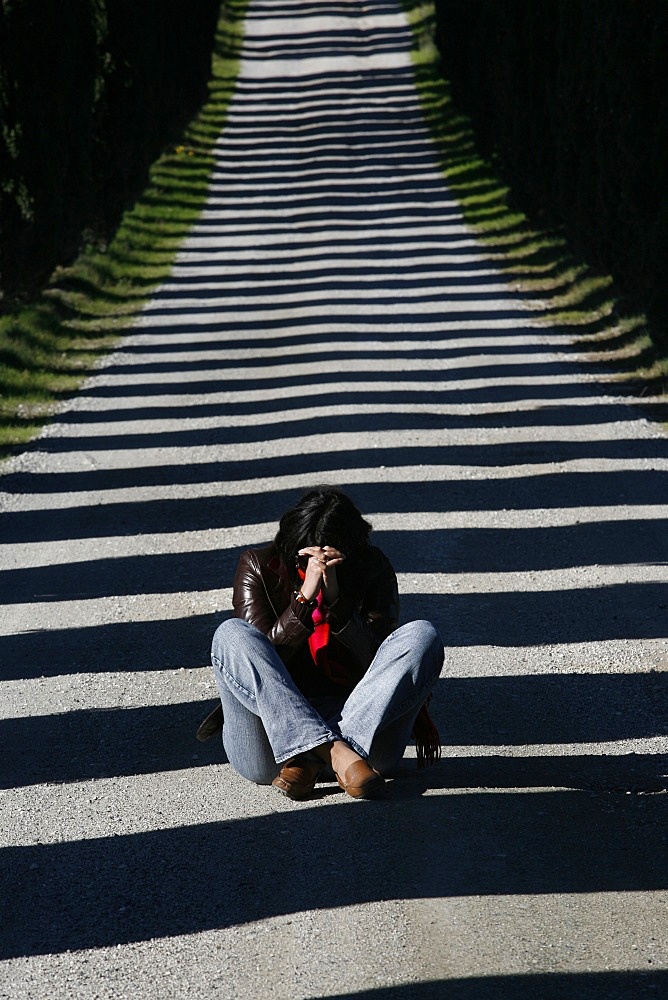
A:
x,y
286,627
363,631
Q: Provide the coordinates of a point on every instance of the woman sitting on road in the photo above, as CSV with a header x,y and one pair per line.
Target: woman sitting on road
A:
x,y
311,672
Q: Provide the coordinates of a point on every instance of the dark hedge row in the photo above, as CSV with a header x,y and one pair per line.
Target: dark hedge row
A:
x,y
570,98
91,91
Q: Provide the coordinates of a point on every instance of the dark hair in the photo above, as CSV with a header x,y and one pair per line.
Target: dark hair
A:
x,y
323,516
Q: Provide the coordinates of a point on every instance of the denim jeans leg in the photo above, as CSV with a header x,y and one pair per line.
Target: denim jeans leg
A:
x,y
245,741
378,716
253,680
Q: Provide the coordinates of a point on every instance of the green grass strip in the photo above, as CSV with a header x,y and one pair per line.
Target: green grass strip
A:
x,y
565,292
48,346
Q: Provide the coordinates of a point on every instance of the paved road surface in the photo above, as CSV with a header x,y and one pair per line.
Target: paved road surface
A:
x,y
331,319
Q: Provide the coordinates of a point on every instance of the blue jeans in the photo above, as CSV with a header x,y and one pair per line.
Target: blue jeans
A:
x,y
268,720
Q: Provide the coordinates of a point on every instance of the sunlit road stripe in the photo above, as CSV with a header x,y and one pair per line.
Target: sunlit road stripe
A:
x,y
401,283
466,916
322,268
82,550
374,326
50,552
309,225
112,409
304,254
323,381
320,112
163,425
261,103
141,607
81,613
387,139
495,442
274,28
456,436
337,215
252,189
328,96
467,351
267,226
337,375
298,375
407,285
330,65
370,324
293,312
91,809
369,302
118,458
237,152
150,335
331,113
272,397
81,691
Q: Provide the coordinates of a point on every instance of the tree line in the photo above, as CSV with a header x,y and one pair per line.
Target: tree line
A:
x,y
568,98
91,91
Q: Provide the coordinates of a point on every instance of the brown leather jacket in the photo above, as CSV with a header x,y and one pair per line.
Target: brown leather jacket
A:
x,y
365,613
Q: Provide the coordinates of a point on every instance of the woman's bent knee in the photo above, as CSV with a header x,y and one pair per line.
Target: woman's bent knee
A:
x,y
421,634
233,631
421,629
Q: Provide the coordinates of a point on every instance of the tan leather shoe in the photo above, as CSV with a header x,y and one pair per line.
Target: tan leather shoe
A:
x,y
298,776
361,781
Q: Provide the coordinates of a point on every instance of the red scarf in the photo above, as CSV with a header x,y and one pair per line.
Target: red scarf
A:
x,y
318,643
425,733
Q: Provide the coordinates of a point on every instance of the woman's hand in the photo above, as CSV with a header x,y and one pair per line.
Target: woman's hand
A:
x,y
321,572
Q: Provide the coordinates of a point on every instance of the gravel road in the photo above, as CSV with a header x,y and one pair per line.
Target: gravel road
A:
x,y
331,318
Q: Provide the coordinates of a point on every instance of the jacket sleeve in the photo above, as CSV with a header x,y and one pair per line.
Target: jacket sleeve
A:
x,y
363,628
287,629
